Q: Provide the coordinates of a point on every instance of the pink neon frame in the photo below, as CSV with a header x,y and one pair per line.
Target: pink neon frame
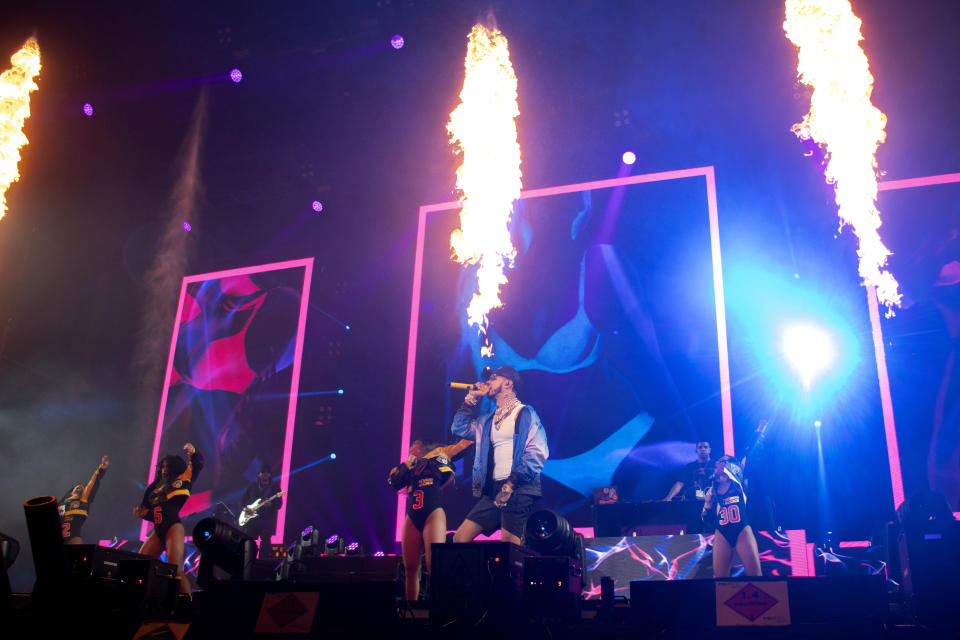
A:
x,y
708,175
886,400
307,265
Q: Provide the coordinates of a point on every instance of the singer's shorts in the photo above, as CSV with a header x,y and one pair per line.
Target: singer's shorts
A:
x,y
512,517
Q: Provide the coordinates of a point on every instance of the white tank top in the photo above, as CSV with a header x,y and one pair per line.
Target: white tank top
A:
x,y
501,439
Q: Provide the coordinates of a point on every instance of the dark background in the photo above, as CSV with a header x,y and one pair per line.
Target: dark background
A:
x,y
328,111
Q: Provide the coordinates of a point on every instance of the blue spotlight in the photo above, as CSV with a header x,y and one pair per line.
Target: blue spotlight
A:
x,y
629,157
333,456
816,423
809,350
339,392
806,340
347,327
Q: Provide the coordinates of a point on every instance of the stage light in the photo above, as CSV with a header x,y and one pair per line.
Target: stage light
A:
x,y
354,549
87,109
629,157
809,350
334,546
187,227
224,546
333,456
9,549
309,537
816,423
235,75
396,41
339,392
549,534
317,206
378,554
346,327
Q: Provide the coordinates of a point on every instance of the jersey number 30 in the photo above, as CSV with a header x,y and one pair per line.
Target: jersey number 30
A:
x,y
729,515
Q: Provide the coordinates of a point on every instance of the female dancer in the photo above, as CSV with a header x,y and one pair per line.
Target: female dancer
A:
x,y
161,505
727,502
75,505
422,476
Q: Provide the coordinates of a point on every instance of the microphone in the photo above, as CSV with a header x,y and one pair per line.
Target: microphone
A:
x,y
460,385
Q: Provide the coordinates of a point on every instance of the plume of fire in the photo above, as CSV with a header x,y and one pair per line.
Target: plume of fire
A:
x,y
483,126
844,122
16,84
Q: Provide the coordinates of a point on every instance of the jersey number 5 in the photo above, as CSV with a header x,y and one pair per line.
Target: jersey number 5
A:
x,y
729,515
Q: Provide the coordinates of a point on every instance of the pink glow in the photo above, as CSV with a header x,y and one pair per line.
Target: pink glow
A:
x,y
726,405
886,400
926,181
307,265
801,553
811,565
854,544
706,172
197,503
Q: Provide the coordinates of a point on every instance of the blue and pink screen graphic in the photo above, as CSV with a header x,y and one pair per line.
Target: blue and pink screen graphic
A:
x,y
232,380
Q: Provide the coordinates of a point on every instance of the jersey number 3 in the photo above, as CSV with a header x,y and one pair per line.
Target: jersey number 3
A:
x,y
417,499
729,515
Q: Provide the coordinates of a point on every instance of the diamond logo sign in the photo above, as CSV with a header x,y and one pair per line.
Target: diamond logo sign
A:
x,y
751,602
287,612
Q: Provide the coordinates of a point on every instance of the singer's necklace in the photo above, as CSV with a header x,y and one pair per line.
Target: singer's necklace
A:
x,y
502,412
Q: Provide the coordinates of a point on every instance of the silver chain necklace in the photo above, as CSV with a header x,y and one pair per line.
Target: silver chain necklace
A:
x,y
501,413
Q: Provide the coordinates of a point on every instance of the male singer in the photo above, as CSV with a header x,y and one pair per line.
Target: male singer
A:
x,y
510,454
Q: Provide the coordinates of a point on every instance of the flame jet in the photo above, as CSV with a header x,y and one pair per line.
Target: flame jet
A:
x,y
484,129
16,84
844,122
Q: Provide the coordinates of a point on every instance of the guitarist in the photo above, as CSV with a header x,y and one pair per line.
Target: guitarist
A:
x,y
265,523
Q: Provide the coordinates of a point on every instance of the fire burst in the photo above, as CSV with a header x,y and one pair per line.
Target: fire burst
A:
x,y
844,122
484,129
15,87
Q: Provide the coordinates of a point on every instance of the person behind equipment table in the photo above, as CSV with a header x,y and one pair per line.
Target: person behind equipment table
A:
x,y
727,503
161,505
423,475
75,505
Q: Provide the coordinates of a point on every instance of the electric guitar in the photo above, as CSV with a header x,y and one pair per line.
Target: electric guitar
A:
x,y
255,506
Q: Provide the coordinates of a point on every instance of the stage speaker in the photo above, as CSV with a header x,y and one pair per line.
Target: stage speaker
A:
x,y
473,582
91,561
344,569
930,562
552,587
150,586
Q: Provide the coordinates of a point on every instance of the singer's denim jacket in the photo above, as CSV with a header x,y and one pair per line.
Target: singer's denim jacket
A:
x,y
530,450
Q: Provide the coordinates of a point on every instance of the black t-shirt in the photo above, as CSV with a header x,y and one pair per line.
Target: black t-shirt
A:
x,y
255,492
697,477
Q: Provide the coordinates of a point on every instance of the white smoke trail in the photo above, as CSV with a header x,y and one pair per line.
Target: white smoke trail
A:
x,y
163,278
